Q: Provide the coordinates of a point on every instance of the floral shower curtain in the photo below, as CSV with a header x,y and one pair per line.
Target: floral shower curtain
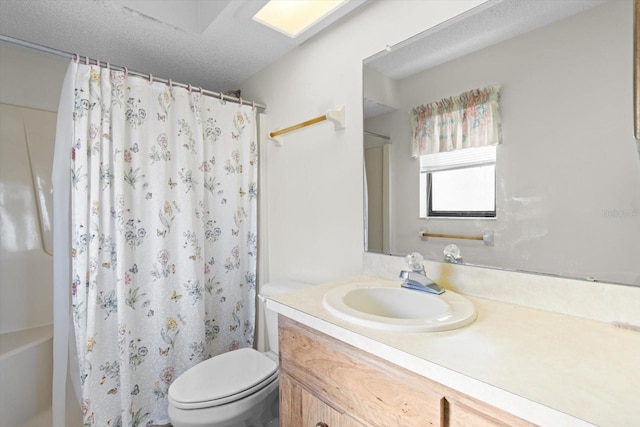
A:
x,y
163,236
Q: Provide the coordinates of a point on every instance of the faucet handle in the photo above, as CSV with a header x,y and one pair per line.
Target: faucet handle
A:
x,y
452,254
414,261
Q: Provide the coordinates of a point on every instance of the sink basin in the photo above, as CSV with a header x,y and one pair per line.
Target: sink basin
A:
x,y
397,309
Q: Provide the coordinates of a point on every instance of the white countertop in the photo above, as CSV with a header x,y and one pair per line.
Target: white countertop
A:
x,y
550,369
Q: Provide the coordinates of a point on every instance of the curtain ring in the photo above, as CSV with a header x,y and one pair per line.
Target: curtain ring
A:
x,y
170,84
77,58
86,60
126,72
253,105
189,89
150,78
108,67
200,89
221,98
240,101
98,63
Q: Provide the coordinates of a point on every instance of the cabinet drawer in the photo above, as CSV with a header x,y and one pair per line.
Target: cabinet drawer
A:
x,y
460,410
369,389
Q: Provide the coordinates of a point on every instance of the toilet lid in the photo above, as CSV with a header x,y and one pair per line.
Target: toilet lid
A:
x,y
222,379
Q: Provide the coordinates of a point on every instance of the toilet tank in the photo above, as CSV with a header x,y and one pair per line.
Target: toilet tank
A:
x,y
272,289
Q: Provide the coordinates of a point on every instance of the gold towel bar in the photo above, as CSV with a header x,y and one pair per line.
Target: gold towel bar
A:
x,y
336,116
453,236
487,236
298,126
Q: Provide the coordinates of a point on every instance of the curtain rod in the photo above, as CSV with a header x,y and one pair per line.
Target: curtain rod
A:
x,y
69,55
377,135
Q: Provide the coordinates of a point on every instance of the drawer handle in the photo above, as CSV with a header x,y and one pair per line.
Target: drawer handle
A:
x,y
321,424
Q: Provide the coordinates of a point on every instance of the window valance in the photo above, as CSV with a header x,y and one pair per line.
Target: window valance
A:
x,y
471,119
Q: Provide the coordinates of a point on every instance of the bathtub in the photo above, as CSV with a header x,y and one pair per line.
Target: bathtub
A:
x,y
26,370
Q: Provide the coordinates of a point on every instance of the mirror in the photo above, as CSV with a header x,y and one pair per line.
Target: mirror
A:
x,y
567,172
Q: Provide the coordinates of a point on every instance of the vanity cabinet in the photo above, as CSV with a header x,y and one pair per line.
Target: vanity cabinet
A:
x,y
326,382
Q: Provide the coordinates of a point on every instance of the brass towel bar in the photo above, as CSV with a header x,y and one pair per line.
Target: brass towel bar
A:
x,y
298,126
487,236
336,116
453,236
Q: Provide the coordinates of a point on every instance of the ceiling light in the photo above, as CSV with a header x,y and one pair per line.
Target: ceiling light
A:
x,y
292,17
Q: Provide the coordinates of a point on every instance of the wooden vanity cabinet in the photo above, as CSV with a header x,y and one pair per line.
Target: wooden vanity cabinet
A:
x,y
325,382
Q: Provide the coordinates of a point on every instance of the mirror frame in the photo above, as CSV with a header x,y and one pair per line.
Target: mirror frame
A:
x,y
636,69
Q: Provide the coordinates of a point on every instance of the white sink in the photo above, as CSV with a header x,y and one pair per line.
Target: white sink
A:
x,y
397,309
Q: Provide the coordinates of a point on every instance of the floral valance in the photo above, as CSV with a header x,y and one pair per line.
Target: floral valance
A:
x,y
471,119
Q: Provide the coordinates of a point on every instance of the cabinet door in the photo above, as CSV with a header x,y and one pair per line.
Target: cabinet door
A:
x,y
299,408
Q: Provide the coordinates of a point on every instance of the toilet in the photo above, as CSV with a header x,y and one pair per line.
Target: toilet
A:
x,y
235,389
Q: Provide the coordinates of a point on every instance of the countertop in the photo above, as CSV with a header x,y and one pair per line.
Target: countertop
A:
x,y
548,368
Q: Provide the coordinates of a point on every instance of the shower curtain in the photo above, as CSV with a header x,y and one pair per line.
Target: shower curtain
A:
x,y
163,197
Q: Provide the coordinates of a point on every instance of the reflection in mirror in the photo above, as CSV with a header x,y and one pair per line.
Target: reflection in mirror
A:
x,y
376,159
567,172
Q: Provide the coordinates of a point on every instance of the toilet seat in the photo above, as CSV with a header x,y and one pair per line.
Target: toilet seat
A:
x,y
223,379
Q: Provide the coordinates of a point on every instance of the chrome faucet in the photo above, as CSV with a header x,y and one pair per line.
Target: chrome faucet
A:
x,y
417,279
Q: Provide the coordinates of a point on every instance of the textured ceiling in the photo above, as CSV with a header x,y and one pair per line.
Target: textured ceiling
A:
x,y
218,56
483,26
490,23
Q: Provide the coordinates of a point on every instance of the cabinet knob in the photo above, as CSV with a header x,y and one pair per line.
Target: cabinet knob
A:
x,y
321,424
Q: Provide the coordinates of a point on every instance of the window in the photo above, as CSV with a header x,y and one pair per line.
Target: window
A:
x,y
458,184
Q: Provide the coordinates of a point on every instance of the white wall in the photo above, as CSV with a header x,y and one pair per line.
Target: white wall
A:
x,y
314,227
